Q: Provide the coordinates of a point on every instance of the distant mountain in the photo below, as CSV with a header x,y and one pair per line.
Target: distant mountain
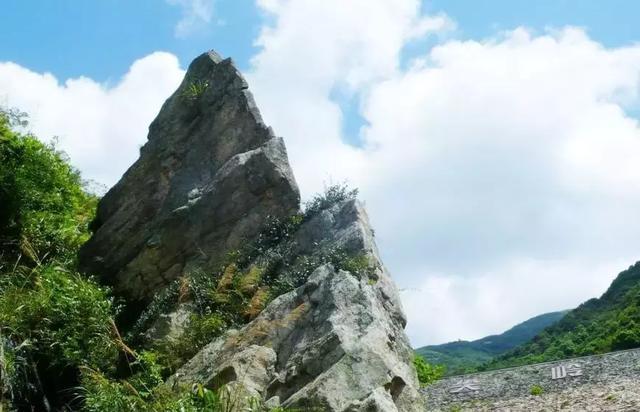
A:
x,y
465,356
609,323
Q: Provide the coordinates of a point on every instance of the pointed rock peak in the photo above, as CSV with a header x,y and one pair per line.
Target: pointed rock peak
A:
x,y
209,175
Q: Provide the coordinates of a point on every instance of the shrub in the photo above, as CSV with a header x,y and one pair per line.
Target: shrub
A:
x,y
52,321
44,211
427,373
332,195
62,316
199,331
536,390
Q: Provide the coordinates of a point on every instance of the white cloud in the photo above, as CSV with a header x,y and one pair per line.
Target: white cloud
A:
x,y
100,127
315,48
195,15
502,176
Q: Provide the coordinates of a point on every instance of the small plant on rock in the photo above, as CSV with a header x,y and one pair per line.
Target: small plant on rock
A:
x,y
332,195
537,390
195,89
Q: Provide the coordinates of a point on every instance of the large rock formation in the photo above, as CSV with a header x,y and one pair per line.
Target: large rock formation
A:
x,y
208,182
335,343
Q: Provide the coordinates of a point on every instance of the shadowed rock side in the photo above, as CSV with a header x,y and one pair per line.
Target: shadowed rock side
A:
x,y
336,343
206,180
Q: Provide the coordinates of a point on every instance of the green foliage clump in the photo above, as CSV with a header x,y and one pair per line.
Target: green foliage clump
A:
x,y
59,315
332,195
536,390
358,265
427,373
145,391
195,89
44,211
199,331
102,394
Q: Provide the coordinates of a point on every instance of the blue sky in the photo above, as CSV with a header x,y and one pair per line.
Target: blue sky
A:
x,y
100,39
610,22
495,143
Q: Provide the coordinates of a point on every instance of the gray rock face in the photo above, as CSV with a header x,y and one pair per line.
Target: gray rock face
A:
x,y
209,175
336,343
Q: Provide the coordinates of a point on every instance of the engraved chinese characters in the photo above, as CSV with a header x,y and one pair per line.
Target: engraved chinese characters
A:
x,y
465,385
562,371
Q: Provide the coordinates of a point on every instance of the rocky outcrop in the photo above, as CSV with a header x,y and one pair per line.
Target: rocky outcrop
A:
x,y
209,181
335,343
206,180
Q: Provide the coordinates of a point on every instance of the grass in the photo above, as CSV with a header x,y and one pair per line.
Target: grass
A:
x,y
195,89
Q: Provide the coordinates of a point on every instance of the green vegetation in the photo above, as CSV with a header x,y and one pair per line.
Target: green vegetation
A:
x,y
536,390
332,195
602,325
464,356
52,320
44,212
195,89
427,373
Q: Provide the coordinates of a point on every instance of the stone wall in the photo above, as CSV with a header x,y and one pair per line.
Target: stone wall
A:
x,y
609,382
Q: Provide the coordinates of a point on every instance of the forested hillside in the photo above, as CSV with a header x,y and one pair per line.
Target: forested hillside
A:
x,y
465,356
609,323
